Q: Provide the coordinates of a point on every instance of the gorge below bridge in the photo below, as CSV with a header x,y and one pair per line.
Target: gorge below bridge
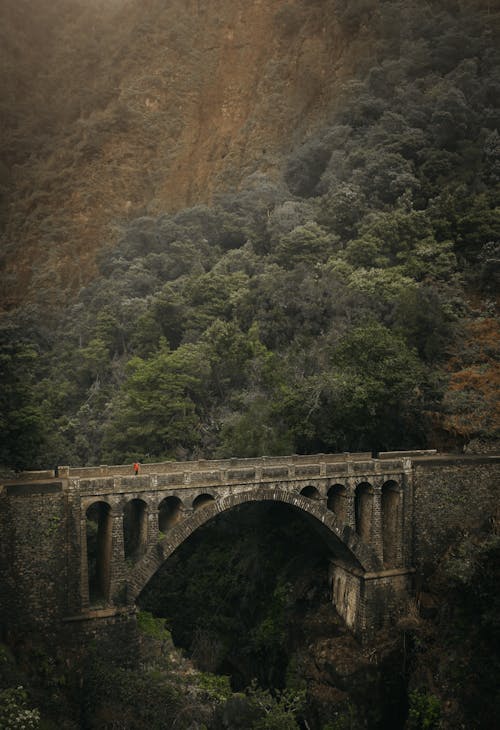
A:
x,y
384,520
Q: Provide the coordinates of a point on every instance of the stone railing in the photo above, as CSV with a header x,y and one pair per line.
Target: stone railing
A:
x,y
224,465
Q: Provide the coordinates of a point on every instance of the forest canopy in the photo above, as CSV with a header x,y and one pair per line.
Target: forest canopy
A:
x,y
348,305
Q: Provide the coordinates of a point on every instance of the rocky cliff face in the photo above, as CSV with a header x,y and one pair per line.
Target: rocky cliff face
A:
x,y
143,107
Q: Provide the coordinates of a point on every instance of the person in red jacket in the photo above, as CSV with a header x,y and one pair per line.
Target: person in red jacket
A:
x,y
136,468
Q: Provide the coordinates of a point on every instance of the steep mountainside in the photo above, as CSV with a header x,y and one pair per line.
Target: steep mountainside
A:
x,y
145,107
234,229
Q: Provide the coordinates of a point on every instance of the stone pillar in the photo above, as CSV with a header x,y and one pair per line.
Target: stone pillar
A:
x,y
84,566
407,495
73,556
119,567
153,528
350,516
399,560
376,538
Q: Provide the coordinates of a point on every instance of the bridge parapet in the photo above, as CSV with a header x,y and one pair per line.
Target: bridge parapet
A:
x,y
173,467
229,473
300,464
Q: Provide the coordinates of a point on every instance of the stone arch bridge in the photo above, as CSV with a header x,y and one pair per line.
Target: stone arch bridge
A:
x,y
79,547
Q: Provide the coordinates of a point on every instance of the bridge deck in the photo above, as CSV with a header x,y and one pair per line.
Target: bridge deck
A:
x,y
173,467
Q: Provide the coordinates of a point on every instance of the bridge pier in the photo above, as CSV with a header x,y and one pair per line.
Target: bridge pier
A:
x,y
407,514
350,500
376,540
369,602
153,528
119,566
392,525
84,564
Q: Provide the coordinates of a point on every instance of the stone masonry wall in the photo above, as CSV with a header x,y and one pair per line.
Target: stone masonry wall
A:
x,y
451,497
113,637
346,595
368,602
35,556
385,598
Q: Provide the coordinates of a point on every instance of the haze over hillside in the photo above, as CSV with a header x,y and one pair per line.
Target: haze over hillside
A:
x,y
120,109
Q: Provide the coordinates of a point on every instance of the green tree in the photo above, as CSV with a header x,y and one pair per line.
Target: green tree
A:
x,y
424,712
255,429
423,317
341,209
211,296
278,711
306,244
21,425
369,397
397,231
229,351
155,413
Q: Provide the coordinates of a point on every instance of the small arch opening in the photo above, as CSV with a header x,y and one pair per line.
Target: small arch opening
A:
x,y
169,512
202,500
390,517
310,492
135,528
99,544
363,510
337,501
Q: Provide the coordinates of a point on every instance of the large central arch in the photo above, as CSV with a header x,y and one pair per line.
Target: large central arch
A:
x,y
344,541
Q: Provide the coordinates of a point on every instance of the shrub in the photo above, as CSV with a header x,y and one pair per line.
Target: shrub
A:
x,y
424,712
14,711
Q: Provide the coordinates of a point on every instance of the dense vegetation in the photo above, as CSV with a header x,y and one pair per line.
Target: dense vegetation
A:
x,y
459,639
230,592
342,307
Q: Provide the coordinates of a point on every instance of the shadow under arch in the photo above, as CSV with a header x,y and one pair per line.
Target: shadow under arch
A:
x,y
99,539
344,541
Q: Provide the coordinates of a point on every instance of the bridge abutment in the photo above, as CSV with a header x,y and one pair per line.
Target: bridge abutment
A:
x,y
369,601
